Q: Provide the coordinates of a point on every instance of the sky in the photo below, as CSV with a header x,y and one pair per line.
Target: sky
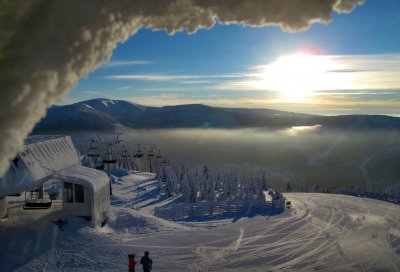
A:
x,y
348,66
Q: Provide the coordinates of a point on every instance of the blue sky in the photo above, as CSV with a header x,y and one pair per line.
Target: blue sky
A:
x,y
355,68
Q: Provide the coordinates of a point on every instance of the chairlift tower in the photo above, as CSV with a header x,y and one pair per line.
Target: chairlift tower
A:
x,y
158,160
108,160
159,155
150,155
93,152
125,158
137,155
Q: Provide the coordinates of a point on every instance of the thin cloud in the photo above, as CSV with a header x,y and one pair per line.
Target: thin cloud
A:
x,y
122,63
195,82
96,93
125,88
167,77
351,72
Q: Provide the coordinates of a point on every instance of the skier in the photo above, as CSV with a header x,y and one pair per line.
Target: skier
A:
x,y
132,262
146,262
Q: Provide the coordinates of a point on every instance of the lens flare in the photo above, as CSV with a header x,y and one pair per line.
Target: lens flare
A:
x,y
300,75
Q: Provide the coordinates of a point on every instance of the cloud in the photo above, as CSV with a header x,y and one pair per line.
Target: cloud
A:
x,y
322,73
166,77
121,63
46,46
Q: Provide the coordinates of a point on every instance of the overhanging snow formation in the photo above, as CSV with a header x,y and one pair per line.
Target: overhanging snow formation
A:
x,y
95,200
41,157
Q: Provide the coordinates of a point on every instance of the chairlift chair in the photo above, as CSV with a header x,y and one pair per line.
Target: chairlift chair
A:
x,y
93,151
139,153
109,159
37,199
150,152
125,154
165,162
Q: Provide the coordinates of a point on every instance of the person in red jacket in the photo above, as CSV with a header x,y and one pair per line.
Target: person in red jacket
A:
x,y
132,262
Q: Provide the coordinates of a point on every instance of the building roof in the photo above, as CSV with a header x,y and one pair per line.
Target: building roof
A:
x,y
89,177
42,156
41,138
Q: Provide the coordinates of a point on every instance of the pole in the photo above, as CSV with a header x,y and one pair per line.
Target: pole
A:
x,y
109,161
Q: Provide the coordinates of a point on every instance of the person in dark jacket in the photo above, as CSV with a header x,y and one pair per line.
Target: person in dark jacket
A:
x,y
132,262
146,262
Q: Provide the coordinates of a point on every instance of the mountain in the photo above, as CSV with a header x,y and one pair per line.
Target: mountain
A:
x,y
105,114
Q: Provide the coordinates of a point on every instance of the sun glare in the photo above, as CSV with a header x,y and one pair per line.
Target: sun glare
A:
x,y
299,76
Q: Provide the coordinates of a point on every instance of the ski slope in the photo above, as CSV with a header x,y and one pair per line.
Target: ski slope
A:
x,y
321,232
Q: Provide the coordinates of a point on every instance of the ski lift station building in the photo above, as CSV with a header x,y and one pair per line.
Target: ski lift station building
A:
x,y
85,191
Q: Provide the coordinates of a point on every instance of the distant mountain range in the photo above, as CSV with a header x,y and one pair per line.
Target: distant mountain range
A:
x,y
105,114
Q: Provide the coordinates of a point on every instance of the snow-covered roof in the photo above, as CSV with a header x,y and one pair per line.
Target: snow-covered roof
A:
x,y
42,156
52,152
41,138
89,177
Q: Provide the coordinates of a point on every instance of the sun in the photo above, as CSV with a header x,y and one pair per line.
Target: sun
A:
x,y
300,75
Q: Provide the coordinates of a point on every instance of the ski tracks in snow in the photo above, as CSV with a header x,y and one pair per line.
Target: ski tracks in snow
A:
x,y
321,232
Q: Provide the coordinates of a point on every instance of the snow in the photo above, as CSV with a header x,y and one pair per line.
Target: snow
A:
x,y
94,179
89,107
97,182
320,232
105,102
42,156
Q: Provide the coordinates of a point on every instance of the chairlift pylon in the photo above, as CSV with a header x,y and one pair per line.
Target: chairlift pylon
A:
x,y
138,153
93,151
159,155
150,151
109,157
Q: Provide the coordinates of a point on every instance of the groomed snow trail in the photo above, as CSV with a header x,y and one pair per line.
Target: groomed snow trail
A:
x,y
321,232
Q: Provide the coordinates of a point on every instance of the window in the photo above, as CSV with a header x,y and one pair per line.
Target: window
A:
x,y
68,196
73,193
79,195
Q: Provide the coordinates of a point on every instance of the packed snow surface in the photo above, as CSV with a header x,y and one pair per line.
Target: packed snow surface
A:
x,y
320,232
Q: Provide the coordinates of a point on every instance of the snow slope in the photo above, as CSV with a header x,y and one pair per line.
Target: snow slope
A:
x,y
321,232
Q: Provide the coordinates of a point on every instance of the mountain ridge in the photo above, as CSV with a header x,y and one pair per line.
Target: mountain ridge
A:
x,y
103,114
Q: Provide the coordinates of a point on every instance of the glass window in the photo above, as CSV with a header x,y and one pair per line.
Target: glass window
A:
x,y
79,195
68,196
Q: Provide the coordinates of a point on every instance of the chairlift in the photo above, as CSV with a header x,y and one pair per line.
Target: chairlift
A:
x,y
93,151
109,157
139,153
37,199
125,154
159,155
150,152
109,160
